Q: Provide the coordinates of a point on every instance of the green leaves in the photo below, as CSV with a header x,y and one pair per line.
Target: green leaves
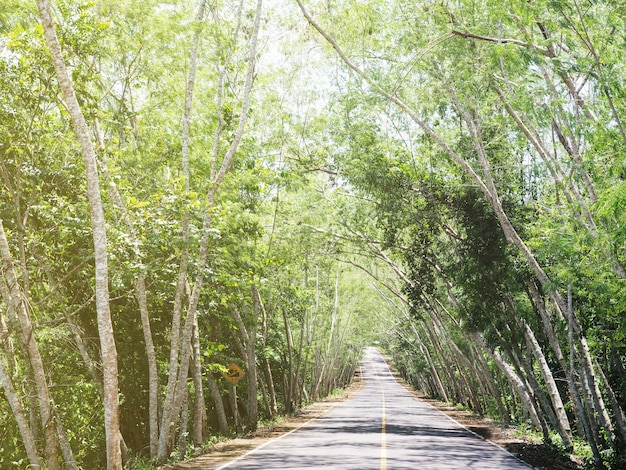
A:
x,y
329,177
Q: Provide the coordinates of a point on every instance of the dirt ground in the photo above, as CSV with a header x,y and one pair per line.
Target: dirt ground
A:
x,y
538,455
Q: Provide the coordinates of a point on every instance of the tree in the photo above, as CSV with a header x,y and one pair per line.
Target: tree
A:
x,y
480,137
105,326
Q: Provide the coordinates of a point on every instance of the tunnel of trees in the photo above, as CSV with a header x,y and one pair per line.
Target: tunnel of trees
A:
x,y
190,185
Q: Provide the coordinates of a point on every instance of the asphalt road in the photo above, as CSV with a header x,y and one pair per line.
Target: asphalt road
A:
x,y
381,427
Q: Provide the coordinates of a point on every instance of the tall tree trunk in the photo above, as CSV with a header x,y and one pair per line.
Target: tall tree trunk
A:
x,y
153,376
184,422
591,435
326,357
563,425
199,408
441,391
17,407
267,370
181,391
247,344
302,361
289,376
218,403
515,380
253,402
167,408
105,325
141,295
271,391
64,443
169,413
234,405
172,405
17,308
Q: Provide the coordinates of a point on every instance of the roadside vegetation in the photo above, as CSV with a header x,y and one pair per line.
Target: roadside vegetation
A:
x,y
276,185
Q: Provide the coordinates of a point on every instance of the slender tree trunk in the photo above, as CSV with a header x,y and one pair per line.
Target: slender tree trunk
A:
x,y
253,402
91,365
141,295
235,408
302,361
199,409
563,425
181,392
105,325
264,394
28,439
174,399
184,422
289,376
153,377
33,409
168,401
267,370
326,358
247,344
441,391
17,307
169,413
269,381
620,419
64,443
591,436
218,403
514,379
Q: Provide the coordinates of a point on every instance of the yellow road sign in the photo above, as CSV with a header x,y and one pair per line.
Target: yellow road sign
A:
x,y
234,373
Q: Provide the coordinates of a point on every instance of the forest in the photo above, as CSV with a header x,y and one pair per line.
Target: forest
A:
x,y
192,187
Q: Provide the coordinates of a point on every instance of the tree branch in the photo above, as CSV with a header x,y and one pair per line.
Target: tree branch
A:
x,y
516,42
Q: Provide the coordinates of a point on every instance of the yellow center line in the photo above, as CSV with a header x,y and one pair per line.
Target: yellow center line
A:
x,y
383,439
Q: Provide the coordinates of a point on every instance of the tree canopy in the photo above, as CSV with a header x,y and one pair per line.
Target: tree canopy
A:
x,y
278,184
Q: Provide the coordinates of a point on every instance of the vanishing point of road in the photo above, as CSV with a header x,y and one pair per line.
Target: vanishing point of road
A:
x,y
381,427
